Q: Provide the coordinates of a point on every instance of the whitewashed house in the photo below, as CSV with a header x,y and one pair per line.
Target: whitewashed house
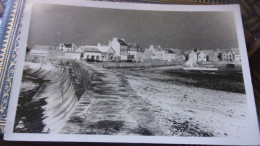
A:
x,y
227,56
170,56
159,53
89,53
237,58
135,53
107,53
149,53
202,57
163,54
120,48
236,54
67,47
192,58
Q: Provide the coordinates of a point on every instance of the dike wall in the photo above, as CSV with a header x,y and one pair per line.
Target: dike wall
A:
x,y
59,91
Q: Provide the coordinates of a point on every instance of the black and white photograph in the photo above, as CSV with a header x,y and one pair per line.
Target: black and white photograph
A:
x,y
133,71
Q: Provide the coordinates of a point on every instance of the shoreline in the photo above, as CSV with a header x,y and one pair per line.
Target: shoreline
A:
x,y
230,82
174,105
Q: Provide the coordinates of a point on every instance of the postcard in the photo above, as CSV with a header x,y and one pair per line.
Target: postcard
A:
x,y
132,73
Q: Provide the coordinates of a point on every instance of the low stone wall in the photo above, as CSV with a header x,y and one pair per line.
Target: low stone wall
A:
x,y
126,65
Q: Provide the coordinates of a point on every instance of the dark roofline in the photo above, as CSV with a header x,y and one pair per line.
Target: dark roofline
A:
x,y
121,42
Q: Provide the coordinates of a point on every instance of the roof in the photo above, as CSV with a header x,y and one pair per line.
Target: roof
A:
x,y
121,42
135,47
72,52
227,52
104,49
90,49
170,51
158,47
201,53
68,45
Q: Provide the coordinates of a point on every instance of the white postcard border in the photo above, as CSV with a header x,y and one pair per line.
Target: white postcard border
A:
x,y
252,137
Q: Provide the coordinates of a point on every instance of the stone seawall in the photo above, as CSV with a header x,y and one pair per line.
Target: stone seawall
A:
x,y
82,74
63,77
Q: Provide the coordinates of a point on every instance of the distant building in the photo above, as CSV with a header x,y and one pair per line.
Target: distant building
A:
x,y
197,56
120,48
237,58
192,58
213,56
236,54
202,57
180,58
135,53
170,56
175,51
227,56
160,54
89,53
107,53
67,47
149,53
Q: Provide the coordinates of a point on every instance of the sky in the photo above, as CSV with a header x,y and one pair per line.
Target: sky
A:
x,y
53,24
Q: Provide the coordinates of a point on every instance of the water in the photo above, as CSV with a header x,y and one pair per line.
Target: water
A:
x,y
224,81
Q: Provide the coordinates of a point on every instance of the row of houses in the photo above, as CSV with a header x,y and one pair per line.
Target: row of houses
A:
x,y
119,50
202,56
232,55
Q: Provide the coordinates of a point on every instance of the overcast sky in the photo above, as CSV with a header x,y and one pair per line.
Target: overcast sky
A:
x,y
52,24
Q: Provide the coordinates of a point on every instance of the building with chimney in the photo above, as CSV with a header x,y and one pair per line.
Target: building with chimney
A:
x,y
67,47
120,48
135,53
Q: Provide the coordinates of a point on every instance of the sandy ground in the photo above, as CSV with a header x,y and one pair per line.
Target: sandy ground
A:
x,y
191,111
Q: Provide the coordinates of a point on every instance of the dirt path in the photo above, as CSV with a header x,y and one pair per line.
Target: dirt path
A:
x,y
111,106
